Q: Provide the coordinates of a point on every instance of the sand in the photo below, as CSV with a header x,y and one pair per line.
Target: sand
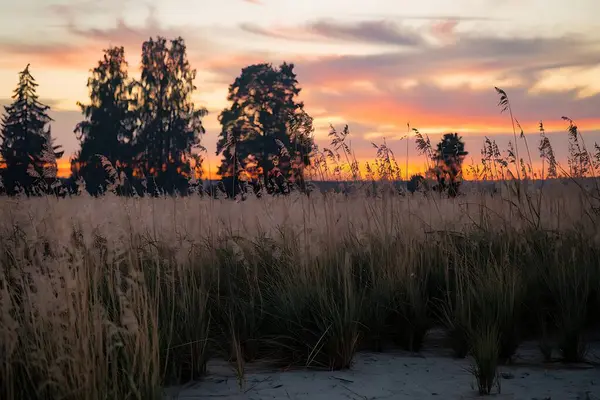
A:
x,y
431,374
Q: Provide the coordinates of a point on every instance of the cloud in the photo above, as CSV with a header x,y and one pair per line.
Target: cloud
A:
x,y
85,44
442,87
126,34
288,33
444,30
377,32
85,7
228,66
50,55
382,31
427,105
437,87
516,57
472,55
430,17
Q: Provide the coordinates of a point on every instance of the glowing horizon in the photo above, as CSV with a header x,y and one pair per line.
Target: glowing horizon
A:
x,y
419,167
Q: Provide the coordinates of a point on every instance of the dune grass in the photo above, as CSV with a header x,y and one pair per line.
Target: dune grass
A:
x,y
486,346
120,297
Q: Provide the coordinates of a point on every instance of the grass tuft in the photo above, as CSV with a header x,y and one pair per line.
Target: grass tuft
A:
x,y
486,346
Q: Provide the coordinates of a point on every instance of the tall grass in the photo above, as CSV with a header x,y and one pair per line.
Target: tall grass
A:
x,y
119,297
486,345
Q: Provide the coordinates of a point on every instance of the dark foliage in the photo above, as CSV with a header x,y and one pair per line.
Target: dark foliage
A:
x,y
109,124
27,145
415,183
449,156
170,124
265,132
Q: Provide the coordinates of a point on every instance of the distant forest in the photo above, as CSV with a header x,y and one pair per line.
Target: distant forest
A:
x,y
143,137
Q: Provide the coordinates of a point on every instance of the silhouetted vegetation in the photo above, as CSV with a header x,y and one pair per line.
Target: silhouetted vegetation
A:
x,y
144,137
415,183
445,161
28,149
109,126
169,123
265,132
137,137
449,156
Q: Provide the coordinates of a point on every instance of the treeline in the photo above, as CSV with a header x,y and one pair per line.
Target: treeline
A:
x,y
144,136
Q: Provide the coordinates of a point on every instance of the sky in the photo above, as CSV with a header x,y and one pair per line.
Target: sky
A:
x,y
374,65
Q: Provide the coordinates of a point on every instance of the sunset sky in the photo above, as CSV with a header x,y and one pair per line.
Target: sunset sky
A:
x,y
374,65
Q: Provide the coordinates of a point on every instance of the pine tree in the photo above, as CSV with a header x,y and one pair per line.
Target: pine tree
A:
x,y
265,125
170,124
27,148
109,125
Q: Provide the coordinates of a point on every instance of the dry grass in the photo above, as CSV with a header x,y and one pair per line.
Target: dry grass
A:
x,y
118,297
486,345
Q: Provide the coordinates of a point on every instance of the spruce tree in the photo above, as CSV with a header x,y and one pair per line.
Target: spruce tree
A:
x,y
170,123
107,132
27,148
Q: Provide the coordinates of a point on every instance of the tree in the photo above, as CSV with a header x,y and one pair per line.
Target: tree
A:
x,y
170,124
449,156
28,149
415,183
265,126
109,124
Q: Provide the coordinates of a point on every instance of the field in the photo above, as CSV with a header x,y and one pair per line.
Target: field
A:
x,y
120,298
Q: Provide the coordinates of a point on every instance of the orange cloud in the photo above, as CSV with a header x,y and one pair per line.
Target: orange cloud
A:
x,y
386,112
83,46
50,56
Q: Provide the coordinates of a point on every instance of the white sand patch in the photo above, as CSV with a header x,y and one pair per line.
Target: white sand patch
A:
x,y
400,375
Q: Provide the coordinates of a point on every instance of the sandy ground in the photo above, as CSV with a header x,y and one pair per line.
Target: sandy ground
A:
x,y
431,374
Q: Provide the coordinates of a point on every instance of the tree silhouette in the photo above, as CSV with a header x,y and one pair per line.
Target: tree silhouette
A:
x,y
265,132
109,123
449,156
170,124
415,183
27,148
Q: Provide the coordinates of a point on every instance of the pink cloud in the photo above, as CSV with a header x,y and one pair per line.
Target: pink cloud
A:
x,y
445,30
